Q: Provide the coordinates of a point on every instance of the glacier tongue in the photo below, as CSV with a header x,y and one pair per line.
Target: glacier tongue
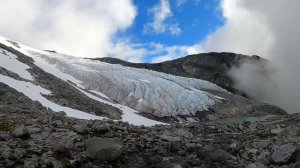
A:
x,y
144,90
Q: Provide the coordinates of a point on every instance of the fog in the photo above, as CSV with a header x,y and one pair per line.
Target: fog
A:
x,y
269,29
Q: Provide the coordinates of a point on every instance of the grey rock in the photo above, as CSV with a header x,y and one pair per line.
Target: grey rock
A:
x,y
170,138
60,115
20,131
59,123
190,147
32,130
253,151
81,129
221,156
283,153
18,154
100,128
233,146
208,148
277,130
296,165
174,147
263,144
256,165
62,151
263,157
9,163
31,162
253,127
104,149
6,153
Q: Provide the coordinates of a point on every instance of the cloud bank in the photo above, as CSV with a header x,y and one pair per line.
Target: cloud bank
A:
x,y
81,28
269,29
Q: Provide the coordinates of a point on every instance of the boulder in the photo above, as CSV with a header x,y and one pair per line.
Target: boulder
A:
x,y
166,137
81,129
20,132
221,156
256,165
283,153
104,149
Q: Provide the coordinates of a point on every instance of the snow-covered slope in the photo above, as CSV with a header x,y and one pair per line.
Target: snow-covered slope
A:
x,y
133,89
115,91
10,62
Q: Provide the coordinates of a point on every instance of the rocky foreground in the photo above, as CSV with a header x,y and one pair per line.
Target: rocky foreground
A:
x,y
32,136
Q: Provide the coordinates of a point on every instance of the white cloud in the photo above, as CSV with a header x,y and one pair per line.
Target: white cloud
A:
x,y
175,29
173,52
179,3
241,33
160,13
128,51
269,29
159,24
81,28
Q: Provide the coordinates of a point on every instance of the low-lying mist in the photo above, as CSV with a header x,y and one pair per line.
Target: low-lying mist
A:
x,y
270,29
269,83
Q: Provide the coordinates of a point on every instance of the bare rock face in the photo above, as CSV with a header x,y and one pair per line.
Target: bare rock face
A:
x,y
284,153
104,149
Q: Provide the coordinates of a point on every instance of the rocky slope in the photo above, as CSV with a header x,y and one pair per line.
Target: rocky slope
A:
x,y
32,136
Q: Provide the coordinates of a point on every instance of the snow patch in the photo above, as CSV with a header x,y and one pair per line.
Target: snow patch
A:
x,y
11,63
35,93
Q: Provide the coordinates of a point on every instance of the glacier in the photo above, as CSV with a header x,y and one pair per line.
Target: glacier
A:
x,y
143,90
129,89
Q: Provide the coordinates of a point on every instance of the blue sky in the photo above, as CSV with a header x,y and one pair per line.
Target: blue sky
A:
x,y
193,20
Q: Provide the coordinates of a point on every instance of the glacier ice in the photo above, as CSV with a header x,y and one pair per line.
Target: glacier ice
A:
x,y
144,90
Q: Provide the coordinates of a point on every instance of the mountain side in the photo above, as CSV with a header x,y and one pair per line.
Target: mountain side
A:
x,y
212,67
139,96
